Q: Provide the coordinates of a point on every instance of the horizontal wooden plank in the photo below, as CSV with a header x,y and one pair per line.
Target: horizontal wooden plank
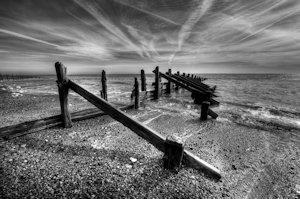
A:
x,y
179,83
212,101
190,83
12,130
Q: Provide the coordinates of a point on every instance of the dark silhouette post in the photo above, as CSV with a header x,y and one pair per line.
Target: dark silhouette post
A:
x,y
157,83
136,93
104,86
63,90
143,80
173,154
204,110
177,86
169,85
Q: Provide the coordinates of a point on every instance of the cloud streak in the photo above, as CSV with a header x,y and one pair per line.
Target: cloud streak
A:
x,y
192,32
25,37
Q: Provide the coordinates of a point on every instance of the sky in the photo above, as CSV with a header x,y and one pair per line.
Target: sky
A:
x,y
125,36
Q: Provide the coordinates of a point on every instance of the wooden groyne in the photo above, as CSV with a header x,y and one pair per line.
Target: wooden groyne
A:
x,y
201,93
7,77
174,153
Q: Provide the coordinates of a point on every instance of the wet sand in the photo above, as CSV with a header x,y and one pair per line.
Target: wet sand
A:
x,y
100,158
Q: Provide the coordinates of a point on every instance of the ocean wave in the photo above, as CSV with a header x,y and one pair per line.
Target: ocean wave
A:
x,y
274,110
262,119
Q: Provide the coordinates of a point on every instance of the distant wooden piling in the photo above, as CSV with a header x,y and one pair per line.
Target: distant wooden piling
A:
x,y
208,95
104,85
63,90
169,85
143,80
177,86
157,83
173,154
204,110
136,93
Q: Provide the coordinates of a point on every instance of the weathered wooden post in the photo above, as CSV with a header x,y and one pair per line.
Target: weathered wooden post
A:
x,y
169,85
136,94
1,78
173,154
63,90
183,74
177,86
143,80
208,95
104,86
204,110
188,75
157,83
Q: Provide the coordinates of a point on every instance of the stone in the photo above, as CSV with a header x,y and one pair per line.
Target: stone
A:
x,y
133,160
128,166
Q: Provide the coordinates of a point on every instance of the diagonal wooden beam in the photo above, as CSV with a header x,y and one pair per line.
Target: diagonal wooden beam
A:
x,y
143,131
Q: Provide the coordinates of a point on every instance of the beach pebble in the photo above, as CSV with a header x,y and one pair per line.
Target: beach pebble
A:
x,y
70,105
18,87
133,160
23,145
297,188
128,166
3,89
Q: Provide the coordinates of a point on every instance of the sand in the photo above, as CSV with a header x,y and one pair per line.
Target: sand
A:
x,y
100,158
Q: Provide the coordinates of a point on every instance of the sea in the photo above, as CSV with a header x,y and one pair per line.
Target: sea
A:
x,y
261,101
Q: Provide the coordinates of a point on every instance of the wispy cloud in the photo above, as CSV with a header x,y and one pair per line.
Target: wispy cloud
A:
x,y
25,37
191,32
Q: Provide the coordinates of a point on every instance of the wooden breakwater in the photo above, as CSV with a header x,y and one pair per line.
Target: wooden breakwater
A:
x,y
7,77
175,154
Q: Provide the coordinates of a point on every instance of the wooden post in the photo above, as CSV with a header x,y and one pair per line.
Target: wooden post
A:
x,y
143,80
209,95
63,90
136,93
157,83
104,85
188,75
183,74
177,86
169,85
204,110
173,154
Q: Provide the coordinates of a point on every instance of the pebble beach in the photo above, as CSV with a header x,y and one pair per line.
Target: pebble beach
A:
x,y
101,158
